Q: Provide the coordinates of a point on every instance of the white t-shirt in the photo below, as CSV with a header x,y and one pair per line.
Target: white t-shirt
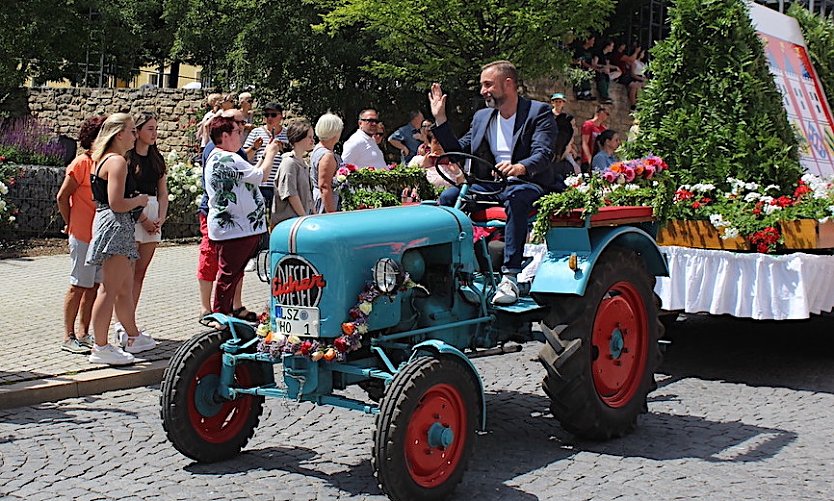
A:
x,y
362,151
236,207
501,138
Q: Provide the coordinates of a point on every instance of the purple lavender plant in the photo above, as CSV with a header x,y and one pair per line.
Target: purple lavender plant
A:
x,y
26,140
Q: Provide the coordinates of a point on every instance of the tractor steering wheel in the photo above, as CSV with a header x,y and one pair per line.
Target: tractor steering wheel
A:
x,y
471,179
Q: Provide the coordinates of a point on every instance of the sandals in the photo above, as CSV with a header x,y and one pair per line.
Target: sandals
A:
x,y
243,314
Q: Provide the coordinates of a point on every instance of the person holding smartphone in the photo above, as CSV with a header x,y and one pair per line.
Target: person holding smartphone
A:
x,y
256,143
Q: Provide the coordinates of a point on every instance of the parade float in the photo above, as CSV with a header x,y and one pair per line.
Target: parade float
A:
x,y
738,112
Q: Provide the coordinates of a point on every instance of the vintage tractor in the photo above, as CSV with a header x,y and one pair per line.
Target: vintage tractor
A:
x,y
396,300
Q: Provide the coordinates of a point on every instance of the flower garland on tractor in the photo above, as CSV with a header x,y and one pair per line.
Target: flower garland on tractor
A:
x,y
276,344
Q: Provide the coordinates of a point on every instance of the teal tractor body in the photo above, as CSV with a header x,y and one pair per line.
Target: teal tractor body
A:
x,y
590,306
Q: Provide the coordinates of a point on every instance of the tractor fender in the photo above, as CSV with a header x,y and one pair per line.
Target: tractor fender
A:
x,y
241,330
441,348
555,276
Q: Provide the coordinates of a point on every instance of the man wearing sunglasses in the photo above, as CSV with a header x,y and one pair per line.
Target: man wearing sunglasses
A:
x,y
361,149
256,143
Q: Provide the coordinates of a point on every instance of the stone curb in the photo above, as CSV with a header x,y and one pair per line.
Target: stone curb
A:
x,y
78,385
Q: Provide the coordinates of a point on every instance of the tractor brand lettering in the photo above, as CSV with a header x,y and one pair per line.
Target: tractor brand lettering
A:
x,y
297,283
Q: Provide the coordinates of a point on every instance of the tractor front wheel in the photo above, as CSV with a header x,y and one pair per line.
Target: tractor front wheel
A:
x,y
199,422
425,430
601,367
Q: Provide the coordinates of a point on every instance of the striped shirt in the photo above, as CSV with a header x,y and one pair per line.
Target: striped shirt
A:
x,y
261,132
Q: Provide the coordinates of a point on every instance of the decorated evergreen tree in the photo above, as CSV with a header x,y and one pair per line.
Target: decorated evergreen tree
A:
x,y
712,109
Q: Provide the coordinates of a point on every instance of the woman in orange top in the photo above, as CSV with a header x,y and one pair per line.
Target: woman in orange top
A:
x,y
75,202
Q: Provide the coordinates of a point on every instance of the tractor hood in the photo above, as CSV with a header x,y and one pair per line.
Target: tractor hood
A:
x,y
329,257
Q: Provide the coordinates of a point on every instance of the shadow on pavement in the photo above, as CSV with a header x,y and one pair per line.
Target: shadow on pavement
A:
x,y
796,354
61,412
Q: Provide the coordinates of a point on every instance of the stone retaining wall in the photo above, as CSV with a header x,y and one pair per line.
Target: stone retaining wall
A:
x,y
65,109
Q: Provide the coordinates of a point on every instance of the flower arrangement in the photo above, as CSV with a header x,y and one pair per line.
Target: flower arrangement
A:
x,y
643,181
367,187
276,344
749,210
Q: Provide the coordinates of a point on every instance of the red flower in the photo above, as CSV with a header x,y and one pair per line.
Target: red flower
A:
x,y
706,200
696,205
305,347
341,344
370,168
682,195
783,201
351,167
758,209
765,240
801,189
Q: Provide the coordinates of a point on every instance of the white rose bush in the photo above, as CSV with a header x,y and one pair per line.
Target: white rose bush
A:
x,y
185,190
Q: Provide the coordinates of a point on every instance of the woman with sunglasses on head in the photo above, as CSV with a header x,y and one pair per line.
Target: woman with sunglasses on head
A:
x,y
255,147
118,206
148,168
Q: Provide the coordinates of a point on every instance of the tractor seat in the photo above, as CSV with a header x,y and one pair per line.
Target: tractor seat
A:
x,y
495,214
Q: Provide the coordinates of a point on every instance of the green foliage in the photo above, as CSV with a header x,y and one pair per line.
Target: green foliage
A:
x,y
818,32
382,188
423,41
712,109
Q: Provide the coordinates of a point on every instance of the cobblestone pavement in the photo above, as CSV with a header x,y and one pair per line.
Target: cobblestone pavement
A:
x,y
32,293
743,411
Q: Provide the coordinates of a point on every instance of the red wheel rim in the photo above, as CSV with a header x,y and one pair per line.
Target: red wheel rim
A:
x,y
429,464
619,344
232,415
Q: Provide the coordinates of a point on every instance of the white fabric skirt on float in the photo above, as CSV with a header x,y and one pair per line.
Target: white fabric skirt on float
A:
x,y
745,285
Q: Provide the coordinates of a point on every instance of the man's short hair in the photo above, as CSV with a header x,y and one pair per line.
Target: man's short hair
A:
x,y
505,68
367,110
414,114
218,126
273,106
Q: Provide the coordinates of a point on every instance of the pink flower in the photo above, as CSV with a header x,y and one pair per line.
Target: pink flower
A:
x,y
629,174
610,176
343,171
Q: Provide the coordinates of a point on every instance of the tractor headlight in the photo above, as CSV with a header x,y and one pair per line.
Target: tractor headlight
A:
x,y
388,275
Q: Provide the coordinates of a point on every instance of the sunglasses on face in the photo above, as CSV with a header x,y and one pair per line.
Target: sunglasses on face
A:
x,y
272,114
372,121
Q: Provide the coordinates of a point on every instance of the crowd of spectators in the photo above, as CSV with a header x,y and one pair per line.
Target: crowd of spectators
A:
x,y
609,61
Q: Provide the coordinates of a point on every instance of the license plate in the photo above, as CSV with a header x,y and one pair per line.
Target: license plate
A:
x,y
296,320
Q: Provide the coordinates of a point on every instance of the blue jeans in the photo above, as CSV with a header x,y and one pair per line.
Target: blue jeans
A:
x,y
517,200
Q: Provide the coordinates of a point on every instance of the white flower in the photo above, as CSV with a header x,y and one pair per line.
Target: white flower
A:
x,y
751,197
631,187
831,209
718,221
341,178
196,171
770,208
766,199
192,189
583,188
729,232
171,197
703,187
751,186
573,180
824,220
2,205
3,188
773,187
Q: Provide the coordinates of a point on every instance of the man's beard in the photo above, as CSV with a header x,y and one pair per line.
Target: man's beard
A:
x,y
494,102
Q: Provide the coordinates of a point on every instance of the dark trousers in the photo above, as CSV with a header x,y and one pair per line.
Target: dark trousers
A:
x,y
232,256
517,200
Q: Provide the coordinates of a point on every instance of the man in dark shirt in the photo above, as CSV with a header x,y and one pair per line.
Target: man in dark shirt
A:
x,y
564,124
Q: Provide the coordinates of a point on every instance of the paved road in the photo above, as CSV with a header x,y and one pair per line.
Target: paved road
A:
x,y
744,411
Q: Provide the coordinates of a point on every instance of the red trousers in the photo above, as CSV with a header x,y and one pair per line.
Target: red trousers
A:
x,y
232,256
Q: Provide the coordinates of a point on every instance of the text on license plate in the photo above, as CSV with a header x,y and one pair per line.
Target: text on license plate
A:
x,y
296,320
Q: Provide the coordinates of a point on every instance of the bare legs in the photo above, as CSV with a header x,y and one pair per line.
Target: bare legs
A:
x,y
116,292
146,252
78,298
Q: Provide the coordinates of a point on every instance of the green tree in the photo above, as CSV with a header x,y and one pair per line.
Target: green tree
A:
x,y
421,41
712,109
818,32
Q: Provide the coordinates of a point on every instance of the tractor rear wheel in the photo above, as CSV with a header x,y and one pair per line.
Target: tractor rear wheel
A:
x,y
425,430
200,423
600,368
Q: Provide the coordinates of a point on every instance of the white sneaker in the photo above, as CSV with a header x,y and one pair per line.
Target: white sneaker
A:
x,y
140,343
250,266
507,292
111,355
119,334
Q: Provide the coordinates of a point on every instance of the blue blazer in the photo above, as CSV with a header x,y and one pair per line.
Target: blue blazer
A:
x,y
534,142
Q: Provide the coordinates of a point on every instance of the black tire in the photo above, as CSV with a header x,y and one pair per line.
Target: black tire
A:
x,y
407,465
598,390
231,424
